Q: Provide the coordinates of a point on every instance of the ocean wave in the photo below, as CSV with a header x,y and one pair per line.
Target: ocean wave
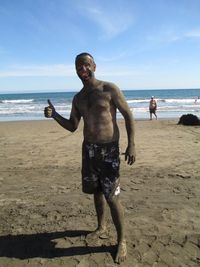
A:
x,y
129,101
166,100
183,100
16,101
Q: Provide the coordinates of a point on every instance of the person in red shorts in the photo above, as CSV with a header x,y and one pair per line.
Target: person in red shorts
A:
x,y
152,107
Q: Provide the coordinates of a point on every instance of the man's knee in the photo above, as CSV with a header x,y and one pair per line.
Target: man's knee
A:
x,y
99,197
113,201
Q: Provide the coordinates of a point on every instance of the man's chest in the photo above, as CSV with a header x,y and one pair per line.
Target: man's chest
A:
x,y
95,101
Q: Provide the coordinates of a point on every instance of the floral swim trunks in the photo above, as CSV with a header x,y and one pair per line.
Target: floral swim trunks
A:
x,y
100,168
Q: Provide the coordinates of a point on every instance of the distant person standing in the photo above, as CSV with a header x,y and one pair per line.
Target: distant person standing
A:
x,y
152,107
196,100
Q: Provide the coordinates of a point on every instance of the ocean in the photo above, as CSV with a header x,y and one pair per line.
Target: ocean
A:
x,y
171,104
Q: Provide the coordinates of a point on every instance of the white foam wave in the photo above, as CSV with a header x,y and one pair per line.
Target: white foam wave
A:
x,y
184,100
129,101
17,101
169,100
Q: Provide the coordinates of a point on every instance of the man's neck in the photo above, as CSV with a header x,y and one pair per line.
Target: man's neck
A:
x,y
90,85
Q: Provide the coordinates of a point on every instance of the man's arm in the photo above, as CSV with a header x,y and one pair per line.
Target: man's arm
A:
x,y
155,104
122,105
70,124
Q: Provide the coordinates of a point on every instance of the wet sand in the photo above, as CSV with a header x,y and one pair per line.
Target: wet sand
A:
x,y
44,216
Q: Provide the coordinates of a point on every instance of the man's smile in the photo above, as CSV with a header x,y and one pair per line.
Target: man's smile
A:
x,y
85,76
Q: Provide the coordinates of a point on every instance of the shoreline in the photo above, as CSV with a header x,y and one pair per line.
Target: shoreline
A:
x,y
119,119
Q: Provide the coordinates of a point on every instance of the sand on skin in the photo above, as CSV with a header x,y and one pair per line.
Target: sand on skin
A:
x,y
44,216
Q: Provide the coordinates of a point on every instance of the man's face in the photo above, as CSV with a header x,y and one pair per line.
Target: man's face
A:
x,y
85,68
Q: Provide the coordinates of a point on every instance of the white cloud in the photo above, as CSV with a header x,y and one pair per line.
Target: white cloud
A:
x,y
38,70
172,36
194,33
164,37
62,70
112,20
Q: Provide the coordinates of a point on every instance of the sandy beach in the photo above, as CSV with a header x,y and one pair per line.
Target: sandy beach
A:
x,y
44,216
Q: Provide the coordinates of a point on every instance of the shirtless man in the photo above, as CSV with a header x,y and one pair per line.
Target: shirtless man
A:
x,y
97,104
152,107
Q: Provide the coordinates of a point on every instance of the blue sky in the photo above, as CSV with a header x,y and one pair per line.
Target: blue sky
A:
x,y
137,44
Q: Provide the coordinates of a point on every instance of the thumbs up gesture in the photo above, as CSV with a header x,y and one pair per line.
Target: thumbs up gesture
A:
x,y
49,112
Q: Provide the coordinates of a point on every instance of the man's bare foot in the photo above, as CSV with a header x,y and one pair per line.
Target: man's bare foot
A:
x,y
121,252
99,232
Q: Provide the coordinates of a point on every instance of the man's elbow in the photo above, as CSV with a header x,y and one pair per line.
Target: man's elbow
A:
x,y
73,129
128,115
72,126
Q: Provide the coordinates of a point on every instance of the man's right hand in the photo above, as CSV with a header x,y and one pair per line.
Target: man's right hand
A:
x,y
49,112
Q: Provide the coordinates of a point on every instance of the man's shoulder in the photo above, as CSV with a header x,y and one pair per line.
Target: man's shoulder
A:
x,y
110,86
77,98
78,94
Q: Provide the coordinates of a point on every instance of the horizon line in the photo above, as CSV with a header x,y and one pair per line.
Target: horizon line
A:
x,y
74,91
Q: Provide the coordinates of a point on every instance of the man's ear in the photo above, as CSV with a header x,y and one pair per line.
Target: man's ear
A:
x,y
94,66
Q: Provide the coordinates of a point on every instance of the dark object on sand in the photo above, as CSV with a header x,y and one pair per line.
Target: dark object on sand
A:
x,y
189,119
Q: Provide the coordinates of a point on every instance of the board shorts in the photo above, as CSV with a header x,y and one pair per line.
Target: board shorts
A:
x,y
100,168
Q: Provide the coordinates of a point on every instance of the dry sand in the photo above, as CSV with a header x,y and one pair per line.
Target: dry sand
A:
x,y
44,216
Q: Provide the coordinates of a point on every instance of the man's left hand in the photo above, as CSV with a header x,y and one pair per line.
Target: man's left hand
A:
x,y
130,155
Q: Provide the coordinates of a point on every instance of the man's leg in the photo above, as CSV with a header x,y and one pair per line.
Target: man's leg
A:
x,y
117,214
99,202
